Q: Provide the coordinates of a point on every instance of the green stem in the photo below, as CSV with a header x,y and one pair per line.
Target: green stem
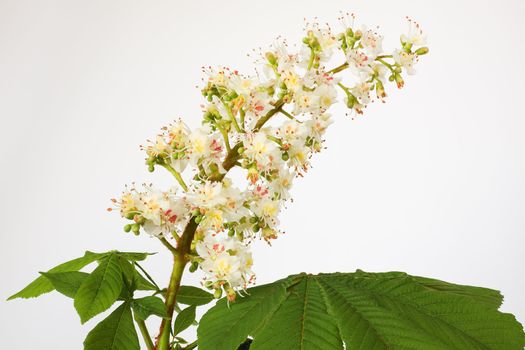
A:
x,y
311,61
177,176
171,295
338,68
275,139
225,137
288,115
168,245
242,114
232,117
145,333
179,262
260,123
388,65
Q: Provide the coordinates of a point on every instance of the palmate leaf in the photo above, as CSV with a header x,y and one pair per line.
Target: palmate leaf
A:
x,y
362,311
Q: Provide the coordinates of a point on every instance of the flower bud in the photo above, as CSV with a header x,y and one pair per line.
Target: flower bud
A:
x,y
269,233
193,266
351,100
380,90
399,80
317,146
285,156
253,175
422,51
217,294
127,228
214,167
136,229
272,59
230,294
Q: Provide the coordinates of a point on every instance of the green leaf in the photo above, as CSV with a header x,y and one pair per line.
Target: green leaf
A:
x,y
42,285
133,256
115,332
184,319
101,289
142,283
190,295
66,283
362,310
147,306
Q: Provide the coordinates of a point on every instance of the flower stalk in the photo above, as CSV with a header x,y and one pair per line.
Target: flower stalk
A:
x,y
217,219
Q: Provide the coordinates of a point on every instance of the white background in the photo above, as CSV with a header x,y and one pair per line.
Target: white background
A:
x,y
431,183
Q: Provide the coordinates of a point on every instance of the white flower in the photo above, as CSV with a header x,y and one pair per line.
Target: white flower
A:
x,y
157,212
372,43
259,149
152,204
178,134
299,155
292,80
328,42
217,77
285,60
241,85
405,60
327,95
128,202
234,208
358,62
268,210
225,260
292,130
213,219
318,125
207,195
258,103
415,35
282,184
305,102
362,91
204,145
